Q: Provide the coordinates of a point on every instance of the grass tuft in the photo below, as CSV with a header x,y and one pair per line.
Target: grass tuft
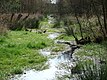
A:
x,y
19,51
16,71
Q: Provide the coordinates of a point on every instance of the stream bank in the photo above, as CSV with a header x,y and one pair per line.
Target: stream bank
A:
x,y
60,64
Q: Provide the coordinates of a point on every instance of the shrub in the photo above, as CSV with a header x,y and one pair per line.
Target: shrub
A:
x,y
29,23
57,25
69,30
32,23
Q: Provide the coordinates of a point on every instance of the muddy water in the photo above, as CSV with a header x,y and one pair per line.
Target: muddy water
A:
x,y
56,66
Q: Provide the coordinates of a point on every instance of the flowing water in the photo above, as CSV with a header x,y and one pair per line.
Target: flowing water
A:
x,y
53,35
55,69
56,64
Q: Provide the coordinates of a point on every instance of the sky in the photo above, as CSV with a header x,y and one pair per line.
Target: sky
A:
x,y
53,1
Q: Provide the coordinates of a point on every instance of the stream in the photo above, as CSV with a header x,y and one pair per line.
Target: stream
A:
x,y
59,65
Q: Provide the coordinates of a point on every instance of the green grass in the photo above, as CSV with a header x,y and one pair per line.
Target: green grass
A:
x,y
46,24
86,61
93,72
90,52
66,37
19,51
93,49
58,48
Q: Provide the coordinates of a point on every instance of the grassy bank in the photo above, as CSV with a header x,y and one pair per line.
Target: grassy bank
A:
x,y
92,61
19,51
93,50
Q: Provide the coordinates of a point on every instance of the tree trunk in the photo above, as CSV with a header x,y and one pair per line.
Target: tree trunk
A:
x,y
12,17
79,25
98,18
104,15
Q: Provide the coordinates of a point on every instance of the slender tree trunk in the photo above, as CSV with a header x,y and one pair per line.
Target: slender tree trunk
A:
x,y
98,18
104,16
12,17
91,29
73,34
79,26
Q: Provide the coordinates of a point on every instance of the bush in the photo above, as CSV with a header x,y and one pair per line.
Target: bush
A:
x,y
32,23
57,25
69,30
29,23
